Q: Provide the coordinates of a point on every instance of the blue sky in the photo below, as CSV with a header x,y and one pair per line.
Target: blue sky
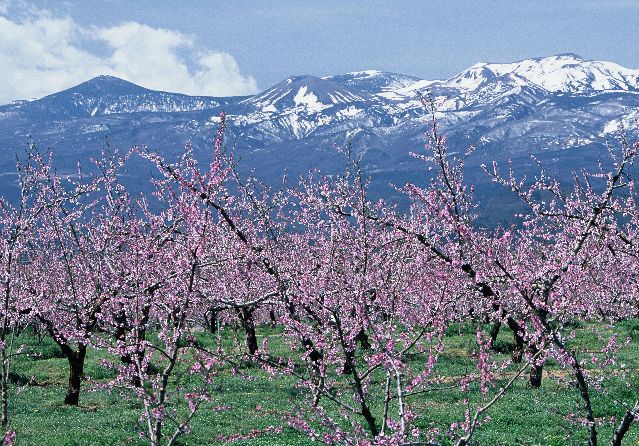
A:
x,y
242,46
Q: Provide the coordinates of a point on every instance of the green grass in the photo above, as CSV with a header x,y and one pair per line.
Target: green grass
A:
x,y
524,416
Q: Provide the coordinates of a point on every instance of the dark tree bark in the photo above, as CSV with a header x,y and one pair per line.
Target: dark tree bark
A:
x,y
272,317
536,370
518,349
494,332
349,367
75,359
363,340
211,321
624,426
129,359
76,373
536,373
349,357
582,386
246,316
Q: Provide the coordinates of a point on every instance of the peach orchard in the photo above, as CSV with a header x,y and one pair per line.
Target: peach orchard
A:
x,y
359,287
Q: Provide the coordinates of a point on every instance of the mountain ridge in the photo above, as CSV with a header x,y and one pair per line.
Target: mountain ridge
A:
x,y
561,107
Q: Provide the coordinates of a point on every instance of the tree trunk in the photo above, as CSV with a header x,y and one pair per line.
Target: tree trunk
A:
x,y
363,340
536,372
582,386
211,321
126,358
76,373
349,357
623,427
246,316
494,332
5,388
349,367
370,419
271,315
518,349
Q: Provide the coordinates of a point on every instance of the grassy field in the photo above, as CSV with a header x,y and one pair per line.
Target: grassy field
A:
x,y
524,416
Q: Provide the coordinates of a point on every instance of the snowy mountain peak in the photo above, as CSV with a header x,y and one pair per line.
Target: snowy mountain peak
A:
x,y
372,81
310,93
572,56
568,73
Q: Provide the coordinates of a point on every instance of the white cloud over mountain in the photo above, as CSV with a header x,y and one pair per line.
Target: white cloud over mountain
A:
x,y
41,54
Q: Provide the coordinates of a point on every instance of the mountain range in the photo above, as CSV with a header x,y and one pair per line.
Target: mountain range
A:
x,y
562,109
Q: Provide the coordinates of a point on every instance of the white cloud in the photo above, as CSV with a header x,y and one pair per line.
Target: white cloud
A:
x,y
42,54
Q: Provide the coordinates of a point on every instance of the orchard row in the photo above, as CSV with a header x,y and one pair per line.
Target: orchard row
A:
x,y
359,288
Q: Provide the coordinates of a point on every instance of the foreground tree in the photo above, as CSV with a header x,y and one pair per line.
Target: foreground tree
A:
x,y
536,278
373,301
68,278
17,224
549,263
356,300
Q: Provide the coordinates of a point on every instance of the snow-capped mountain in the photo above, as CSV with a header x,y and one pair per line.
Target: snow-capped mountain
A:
x,y
564,73
561,108
298,106
372,80
567,73
310,93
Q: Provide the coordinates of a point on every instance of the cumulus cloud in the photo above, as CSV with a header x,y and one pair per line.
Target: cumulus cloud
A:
x,y
41,54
